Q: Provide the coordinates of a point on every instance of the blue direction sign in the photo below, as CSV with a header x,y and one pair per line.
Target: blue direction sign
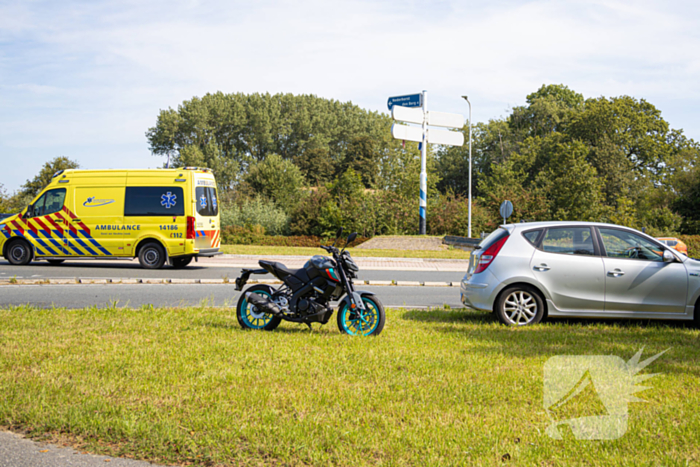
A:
x,y
411,100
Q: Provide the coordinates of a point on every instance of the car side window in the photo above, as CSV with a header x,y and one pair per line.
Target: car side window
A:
x,y
568,241
49,203
623,244
532,236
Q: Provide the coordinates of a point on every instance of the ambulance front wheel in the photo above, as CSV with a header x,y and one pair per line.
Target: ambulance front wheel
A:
x,y
19,253
152,256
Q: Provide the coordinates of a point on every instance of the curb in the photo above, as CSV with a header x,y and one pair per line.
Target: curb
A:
x,y
225,281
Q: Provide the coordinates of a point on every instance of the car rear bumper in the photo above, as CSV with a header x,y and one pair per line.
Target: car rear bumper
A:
x,y
479,291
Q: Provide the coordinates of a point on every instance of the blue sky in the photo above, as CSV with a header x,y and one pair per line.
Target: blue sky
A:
x,y
86,79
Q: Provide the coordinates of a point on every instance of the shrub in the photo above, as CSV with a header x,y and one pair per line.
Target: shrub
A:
x,y
244,236
256,212
693,242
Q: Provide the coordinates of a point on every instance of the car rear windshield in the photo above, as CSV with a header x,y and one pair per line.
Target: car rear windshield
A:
x,y
493,237
207,203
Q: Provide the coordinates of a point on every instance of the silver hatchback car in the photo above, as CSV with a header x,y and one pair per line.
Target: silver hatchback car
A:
x,y
525,272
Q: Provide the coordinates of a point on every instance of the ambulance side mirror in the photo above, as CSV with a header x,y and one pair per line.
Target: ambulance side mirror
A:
x,y
30,209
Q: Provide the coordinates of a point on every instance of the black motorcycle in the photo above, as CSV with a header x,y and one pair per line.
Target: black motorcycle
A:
x,y
306,294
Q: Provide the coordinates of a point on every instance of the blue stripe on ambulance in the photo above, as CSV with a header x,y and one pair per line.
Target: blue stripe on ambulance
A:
x,y
74,248
82,243
94,242
40,242
58,245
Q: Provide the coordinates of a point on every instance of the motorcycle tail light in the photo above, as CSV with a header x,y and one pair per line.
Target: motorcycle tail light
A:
x,y
487,257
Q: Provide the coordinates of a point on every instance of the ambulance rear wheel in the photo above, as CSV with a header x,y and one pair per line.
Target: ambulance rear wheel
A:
x,y
19,253
179,263
152,256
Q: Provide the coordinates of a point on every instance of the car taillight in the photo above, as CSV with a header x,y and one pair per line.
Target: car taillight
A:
x,y
190,228
489,255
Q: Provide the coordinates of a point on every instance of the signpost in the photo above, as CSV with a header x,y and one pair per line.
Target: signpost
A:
x,y
401,111
410,100
506,210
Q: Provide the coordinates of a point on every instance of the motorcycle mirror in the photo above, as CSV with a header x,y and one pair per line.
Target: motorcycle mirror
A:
x,y
351,237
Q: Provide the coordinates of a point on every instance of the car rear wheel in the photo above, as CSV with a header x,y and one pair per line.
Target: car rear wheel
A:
x,y
152,256
19,253
520,305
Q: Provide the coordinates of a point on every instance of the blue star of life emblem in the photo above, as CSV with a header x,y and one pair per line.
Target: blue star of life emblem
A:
x,y
203,201
168,200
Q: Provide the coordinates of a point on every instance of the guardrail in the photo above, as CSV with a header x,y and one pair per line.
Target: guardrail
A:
x,y
464,243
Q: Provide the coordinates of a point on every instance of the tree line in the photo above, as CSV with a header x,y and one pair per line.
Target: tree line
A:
x,y
301,164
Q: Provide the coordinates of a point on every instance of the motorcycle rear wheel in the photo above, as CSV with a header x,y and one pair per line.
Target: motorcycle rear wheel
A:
x,y
369,322
248,315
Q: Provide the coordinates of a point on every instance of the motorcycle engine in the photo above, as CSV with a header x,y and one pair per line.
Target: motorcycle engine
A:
x,y
310,306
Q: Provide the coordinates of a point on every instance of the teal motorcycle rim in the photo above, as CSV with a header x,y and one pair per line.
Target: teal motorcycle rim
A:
x,y
360,323
252,318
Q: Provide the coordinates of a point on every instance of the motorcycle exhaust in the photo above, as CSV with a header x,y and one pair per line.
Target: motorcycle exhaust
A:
x,y
263,304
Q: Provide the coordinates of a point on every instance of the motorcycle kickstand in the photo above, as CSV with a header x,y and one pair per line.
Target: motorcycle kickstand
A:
x,y
310,328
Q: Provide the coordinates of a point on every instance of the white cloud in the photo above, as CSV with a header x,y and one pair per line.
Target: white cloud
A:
x,y
83,78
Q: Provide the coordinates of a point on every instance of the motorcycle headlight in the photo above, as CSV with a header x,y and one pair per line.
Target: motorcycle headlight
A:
x,y
350,265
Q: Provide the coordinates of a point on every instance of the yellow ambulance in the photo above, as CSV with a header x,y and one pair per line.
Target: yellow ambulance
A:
x,y
158,216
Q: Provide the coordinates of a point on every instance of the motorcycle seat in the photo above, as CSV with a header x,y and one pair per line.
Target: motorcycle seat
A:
x,y
277,269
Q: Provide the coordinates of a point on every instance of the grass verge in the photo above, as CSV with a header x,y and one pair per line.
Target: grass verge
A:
x,y
187,386
452,253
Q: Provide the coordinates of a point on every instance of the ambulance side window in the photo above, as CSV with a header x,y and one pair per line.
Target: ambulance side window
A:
x,y
49,203
154,201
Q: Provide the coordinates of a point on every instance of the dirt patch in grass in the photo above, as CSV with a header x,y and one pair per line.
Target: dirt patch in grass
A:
x,y
403,242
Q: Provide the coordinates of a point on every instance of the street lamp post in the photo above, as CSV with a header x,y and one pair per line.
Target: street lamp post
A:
x,y
469,229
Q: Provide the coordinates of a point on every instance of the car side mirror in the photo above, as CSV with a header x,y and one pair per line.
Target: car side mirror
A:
x,y
668,257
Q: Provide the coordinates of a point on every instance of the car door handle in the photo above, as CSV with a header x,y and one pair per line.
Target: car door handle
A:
x,y
616,273
542,267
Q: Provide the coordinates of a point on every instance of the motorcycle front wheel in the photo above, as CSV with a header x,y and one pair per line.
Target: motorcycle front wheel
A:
x,y
369,322
249,317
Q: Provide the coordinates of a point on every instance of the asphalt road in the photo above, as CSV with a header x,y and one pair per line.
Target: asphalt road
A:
x,y
132,269
17,451
80,296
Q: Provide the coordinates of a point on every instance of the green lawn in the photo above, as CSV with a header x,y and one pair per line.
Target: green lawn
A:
x,y
435,388
452,253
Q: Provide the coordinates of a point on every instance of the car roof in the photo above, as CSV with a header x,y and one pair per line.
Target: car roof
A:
x,y
555,223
